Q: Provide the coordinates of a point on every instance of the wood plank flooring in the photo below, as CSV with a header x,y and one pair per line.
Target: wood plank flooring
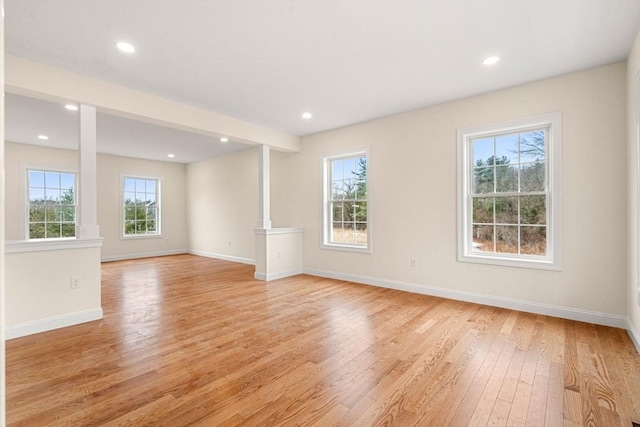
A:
x,y
191,341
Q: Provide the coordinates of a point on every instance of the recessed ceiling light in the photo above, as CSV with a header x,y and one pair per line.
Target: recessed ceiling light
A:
x,y
171,156
71,107
224,139
43,137
491,60
307,115
125,47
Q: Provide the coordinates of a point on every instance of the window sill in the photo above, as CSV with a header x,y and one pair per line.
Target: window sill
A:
x,y
19,246
505,261
142,237
347,248
280,230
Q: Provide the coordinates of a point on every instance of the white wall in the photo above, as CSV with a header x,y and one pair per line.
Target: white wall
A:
x,y
25,77
278,253
633,116
18,155
109,171
222,194
413,195
174,207
38,282
39,287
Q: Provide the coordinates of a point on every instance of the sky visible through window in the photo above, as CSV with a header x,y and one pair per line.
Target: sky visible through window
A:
x,y
509,199
507,146
52,204
348,201
140,206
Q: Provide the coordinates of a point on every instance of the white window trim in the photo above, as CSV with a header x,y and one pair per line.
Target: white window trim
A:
x,y
40,245
326,185
553,260
24,195
158,201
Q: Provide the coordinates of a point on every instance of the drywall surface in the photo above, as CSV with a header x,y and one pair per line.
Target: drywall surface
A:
x,y
222,195
27,77
413,198
17,158
39,291
110,170
173,181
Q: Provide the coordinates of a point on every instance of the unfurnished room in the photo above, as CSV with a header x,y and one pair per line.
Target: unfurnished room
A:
x,y
320,213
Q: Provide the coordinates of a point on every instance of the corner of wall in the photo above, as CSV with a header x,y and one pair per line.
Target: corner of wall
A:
x,y
633,192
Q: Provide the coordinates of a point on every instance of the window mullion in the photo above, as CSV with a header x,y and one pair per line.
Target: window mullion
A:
x,y
528,208
349,176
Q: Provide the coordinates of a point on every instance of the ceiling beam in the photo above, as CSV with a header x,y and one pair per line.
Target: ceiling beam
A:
x,y
29,78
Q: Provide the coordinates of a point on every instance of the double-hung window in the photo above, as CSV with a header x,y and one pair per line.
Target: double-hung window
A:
x,y
51,204
509,191
141,207
346,215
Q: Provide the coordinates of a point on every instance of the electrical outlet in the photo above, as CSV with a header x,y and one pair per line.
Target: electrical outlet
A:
x,y
414,261
75,282
229,243
279,253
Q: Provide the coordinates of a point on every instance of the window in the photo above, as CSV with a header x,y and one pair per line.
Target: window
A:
x,y
51,204
141,207
346,203
509,193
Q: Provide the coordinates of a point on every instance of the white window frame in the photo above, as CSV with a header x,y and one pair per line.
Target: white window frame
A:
x,y
553,169
24,192
158,233
326,205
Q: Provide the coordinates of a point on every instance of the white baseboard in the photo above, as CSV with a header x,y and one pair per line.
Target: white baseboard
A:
x,y
276,276
633,333
594,317
142,255
50,323
222,257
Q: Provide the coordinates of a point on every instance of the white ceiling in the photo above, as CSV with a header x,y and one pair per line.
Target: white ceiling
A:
x,y
26,118
344,61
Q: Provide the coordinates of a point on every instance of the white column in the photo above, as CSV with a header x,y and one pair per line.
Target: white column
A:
x,y
264,202
87,221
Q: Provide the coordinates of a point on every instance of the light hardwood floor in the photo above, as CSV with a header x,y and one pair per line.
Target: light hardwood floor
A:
x,y
187,340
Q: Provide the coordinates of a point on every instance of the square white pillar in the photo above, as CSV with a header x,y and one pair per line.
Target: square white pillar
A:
x,y
87,221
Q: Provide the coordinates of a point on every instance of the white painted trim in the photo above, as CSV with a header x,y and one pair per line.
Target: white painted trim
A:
x,y
25,77
159,198
141,237
326,185
222,257
19,246
124,257
606,319
276,276
282,230
264,187
633,334
24,190
87,204
51,323
553,260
